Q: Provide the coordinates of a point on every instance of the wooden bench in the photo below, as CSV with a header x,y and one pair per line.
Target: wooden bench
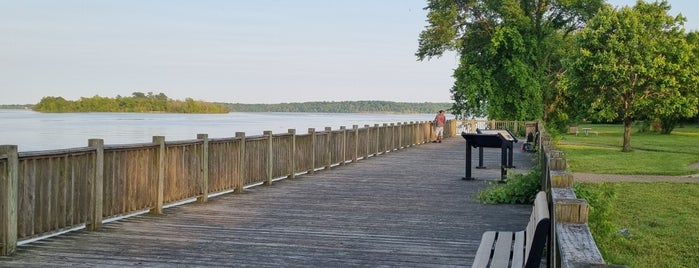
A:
x,y
517,249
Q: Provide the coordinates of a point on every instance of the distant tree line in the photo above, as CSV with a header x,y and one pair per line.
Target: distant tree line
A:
x,y
149,102
342,107
138,102
16,106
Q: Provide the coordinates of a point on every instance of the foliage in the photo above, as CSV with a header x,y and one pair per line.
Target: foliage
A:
x,y
16,106
343,107
654,224
634,63
654,154
139,102
601,200
509,52
146,102
519,189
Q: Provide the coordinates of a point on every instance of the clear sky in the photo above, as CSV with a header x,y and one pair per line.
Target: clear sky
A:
x,y
262,51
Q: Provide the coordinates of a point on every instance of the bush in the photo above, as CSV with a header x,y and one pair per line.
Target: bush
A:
x,y
600,197
519,189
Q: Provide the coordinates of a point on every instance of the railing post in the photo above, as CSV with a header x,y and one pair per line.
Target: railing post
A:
x,y
393,138
367,141
241,163
9,185
160,166
420,134
355,128
400,135
312,132
414,133
328,151
377,139
204,197
94,217
292,151
343,159
557,161
270,159
427,129
385,139
454,126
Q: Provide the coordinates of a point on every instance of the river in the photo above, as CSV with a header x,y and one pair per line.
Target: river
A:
x,y
33,131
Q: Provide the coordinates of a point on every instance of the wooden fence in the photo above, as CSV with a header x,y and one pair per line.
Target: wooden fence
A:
x,y
570,241
46,192
519,128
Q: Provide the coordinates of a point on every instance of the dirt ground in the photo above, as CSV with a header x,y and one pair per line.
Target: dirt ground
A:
x,y
591,177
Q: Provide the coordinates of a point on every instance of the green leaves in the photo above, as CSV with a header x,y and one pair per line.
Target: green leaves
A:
x,y
510,52
634,63
519,189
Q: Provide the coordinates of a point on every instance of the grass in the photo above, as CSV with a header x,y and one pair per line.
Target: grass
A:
x,y
653,153
640,224
658,223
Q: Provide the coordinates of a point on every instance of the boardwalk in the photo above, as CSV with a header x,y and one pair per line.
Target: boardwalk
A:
x,y
407,208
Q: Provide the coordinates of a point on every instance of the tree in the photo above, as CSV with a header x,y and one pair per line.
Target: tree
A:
x,y
138,103
509,51
634,63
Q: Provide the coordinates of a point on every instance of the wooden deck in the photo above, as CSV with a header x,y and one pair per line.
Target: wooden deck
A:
x,y
408,208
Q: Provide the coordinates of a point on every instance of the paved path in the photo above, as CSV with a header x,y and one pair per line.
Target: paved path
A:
x,y
592,177
408,208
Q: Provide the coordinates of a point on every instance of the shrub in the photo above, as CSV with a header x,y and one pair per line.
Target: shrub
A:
x,y
519,189
600,197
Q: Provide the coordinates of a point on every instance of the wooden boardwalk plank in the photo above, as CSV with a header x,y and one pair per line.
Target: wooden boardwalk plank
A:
x,y
407,208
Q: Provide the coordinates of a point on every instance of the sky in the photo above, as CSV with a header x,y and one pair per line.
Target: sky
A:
x,y
262,51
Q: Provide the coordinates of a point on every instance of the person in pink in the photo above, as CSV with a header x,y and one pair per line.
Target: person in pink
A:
x,y
439,121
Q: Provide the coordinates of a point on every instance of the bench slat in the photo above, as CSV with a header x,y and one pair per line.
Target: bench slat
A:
x,y
503,248
518,250
484,250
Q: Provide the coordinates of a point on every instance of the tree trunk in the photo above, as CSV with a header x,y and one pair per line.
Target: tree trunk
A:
x,y
627,135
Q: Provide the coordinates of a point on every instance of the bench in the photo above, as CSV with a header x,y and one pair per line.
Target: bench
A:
x,y
517,249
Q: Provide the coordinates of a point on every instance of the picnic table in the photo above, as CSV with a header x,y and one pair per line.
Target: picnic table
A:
x,y
587,131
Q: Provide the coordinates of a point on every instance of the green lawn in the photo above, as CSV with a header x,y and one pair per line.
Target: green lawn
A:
x,y
654,154
640,224
653,224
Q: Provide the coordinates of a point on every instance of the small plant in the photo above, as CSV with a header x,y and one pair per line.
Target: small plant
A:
x,y
600,197
519,189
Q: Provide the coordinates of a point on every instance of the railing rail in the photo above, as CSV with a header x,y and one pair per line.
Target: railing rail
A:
x,y
46,192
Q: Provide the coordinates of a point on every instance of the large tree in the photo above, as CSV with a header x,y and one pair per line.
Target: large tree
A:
x,y
509,51
634,63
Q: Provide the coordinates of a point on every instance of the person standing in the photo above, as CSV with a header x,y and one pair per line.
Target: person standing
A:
x,y
439,122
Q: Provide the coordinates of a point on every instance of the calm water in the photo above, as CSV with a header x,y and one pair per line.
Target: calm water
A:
x,y
33,131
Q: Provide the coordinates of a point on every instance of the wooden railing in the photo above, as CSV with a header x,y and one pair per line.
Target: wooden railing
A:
x,y
519,128
571,242
46,192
